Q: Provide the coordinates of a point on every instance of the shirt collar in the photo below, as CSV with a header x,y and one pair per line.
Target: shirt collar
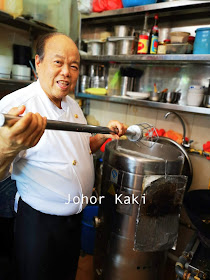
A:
x,y
51,104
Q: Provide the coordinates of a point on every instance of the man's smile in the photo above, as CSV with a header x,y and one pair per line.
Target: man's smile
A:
x,y
63,84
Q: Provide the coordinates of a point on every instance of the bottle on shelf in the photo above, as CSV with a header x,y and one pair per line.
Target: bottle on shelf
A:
x,y
154,37
143,43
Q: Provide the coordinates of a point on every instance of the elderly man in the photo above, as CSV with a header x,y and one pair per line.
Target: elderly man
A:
x,y
48,166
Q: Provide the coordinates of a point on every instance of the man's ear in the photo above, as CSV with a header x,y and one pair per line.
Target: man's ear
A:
x,y
37,63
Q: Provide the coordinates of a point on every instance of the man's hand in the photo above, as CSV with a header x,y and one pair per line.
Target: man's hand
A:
x,y
116,126
19,135
22,134
98,140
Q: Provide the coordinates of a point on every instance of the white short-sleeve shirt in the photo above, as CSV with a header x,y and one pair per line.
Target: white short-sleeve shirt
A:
x,y
52,176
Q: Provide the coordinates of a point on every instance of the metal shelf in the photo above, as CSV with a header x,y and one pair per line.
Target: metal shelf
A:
x,y
9,85
21,23
146,103
166,9
151,59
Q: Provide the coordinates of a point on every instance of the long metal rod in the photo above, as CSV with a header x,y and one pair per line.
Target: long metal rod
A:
x,y
65,126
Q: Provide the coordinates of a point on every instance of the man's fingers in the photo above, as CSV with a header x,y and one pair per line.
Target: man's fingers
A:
x,y
21,125
16,111
38,132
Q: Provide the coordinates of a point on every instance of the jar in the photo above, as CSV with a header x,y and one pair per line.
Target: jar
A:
x,y
161,48
202,41
143,44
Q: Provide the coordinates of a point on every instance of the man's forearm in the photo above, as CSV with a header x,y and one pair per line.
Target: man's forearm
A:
x,y
5,163
97,141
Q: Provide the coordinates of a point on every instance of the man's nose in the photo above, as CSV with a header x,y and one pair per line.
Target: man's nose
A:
x,y
66,70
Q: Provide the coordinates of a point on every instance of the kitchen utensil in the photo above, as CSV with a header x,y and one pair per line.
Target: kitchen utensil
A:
x,y
172,97
138,95
109,48
125,45
178,48
179,37
21,72
33,70
202,41
94,47
154,96
126,84
22,55
134,132
121,30
195,95
84,83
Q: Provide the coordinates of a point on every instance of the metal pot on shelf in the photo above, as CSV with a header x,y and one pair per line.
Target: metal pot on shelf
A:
x,y
95,47
125,45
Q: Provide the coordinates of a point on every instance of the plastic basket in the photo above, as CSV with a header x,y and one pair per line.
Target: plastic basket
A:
x,y
88,233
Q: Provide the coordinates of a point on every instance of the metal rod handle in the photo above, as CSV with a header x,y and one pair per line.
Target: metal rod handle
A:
x,y
65,126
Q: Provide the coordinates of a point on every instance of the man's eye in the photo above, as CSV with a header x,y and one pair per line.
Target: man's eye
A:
x,y
74,67
57,62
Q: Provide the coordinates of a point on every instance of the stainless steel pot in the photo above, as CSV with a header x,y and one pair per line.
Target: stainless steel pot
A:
x,y
126,169
121,30
109,48
125,45
94,47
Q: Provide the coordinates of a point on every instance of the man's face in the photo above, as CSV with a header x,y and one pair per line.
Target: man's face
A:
x,y
59,69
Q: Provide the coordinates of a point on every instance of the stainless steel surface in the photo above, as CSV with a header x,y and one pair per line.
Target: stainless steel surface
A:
x,y
109,48
166,8
137,84
124,46
143,160
125,85
187,168
182,123
84,83
145,103
121,30
179,58
94,48
170,96
154,96
129,264
28,25
132,163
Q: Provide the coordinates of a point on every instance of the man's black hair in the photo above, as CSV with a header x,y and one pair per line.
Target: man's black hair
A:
x,y
42,42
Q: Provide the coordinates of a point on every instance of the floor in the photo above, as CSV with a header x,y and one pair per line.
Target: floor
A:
x,y
85,268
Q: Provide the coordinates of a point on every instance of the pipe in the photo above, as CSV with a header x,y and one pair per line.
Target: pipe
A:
x,y
60,125
184,143
182,260
134,132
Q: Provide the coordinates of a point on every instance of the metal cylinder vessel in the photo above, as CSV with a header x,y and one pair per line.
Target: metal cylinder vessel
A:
x,y
126,165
